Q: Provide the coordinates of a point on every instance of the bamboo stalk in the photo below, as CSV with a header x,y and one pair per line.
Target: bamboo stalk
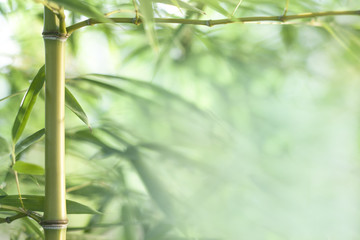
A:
x,y
55,217
210,23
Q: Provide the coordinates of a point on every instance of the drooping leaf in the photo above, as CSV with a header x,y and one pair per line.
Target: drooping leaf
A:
x,y
4,146
117,90
83,8
36,203
28,168
127,216
153,185
27,104
75,107
30,140
147,16
148,85
181,4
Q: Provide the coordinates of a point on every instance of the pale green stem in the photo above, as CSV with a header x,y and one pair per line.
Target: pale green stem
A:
x,y
55,217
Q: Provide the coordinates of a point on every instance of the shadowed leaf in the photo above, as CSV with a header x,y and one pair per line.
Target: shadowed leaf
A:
x,y
27,104
28,168
75,107
36,203
30,140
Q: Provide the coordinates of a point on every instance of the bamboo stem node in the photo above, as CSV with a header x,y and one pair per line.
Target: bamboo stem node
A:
x,y
54,224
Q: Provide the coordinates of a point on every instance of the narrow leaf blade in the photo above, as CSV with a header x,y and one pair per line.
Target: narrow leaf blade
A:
x,y
29,141
27,104
75,107
28,168
36,203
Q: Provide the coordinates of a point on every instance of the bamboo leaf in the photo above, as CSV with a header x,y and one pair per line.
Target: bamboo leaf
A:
x,y
182,4
30,140
4,146
75,107
36,203
28,168
147,15
27,104
82,7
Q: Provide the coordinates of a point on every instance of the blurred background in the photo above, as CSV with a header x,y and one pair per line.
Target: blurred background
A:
x,y
239,131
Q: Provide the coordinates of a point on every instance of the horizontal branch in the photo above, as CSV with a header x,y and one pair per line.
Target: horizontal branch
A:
x,y
209,23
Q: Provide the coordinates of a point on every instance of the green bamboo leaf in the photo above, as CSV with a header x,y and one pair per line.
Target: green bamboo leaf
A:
x,y
36,203
75,107
29,141
181,4
27,104
147,16
83,8
28,168
4,146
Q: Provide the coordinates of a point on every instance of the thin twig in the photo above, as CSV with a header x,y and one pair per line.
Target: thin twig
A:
x,y
12,95
210,22
13,158
236,8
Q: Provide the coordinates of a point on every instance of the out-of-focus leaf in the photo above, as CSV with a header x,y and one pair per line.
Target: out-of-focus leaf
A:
x,y
82,7
159,90
214,4
30,140
159,231
28,168
75,107
156,190
2,193
4,146
128,217
147,15
117,90
27,104
36,203
288,35
182,4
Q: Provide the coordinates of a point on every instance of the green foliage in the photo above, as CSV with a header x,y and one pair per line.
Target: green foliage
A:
x,y
27,104
241,131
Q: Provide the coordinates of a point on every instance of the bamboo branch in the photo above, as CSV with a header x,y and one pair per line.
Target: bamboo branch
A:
x,y
209,22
